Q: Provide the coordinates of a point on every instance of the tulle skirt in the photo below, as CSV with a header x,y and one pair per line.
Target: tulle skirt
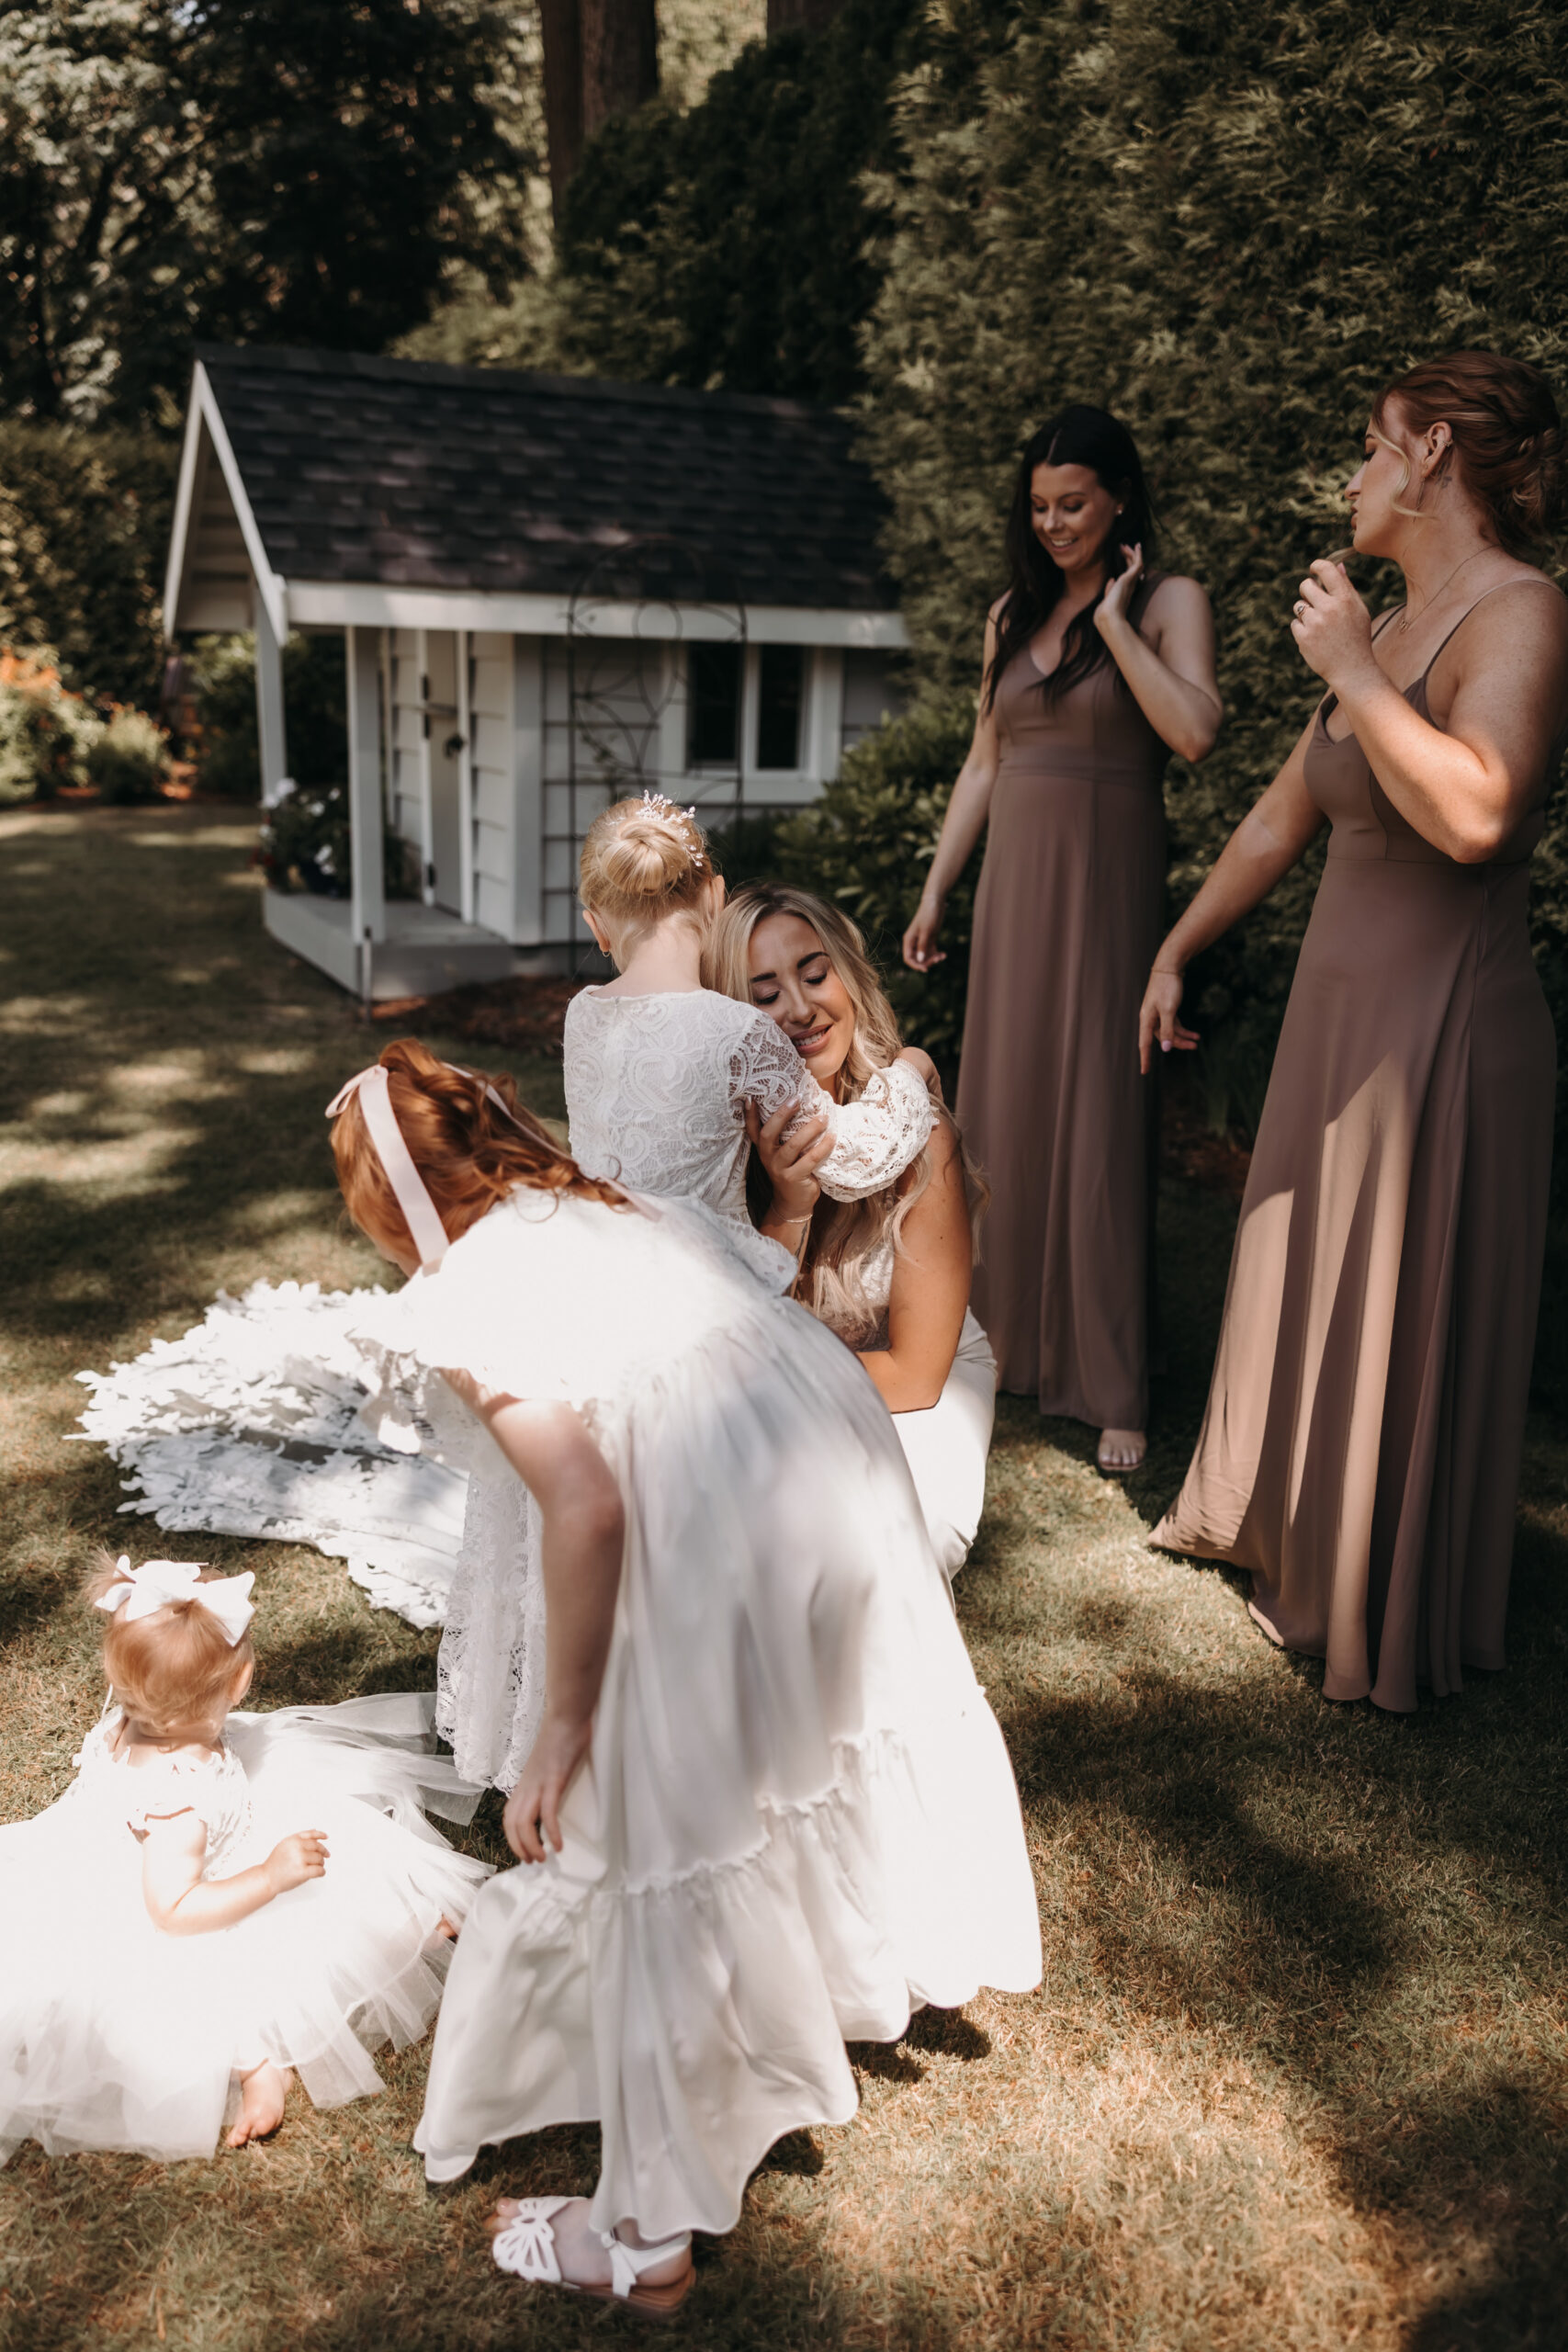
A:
x,y
116,2035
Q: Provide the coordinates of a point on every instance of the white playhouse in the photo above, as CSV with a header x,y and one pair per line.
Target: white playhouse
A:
x,y
552,590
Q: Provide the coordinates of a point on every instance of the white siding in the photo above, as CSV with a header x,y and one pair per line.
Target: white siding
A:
x,y
493,796
621,694
870,697
405,752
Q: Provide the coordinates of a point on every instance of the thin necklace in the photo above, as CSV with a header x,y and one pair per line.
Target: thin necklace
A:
x,y
1406,616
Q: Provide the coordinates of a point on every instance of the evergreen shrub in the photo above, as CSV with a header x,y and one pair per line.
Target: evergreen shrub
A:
x,y
129,759
85,521
46,733
315,701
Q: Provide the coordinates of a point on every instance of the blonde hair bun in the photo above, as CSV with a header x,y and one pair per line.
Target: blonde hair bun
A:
x,y
643,859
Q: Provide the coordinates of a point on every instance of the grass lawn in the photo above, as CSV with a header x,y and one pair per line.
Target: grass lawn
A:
x,y
1296,2075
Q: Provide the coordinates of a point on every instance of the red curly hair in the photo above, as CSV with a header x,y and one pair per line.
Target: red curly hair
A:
x,y
469,1153
173,1669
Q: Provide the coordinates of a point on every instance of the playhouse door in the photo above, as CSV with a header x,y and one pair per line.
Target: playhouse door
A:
x,y
441,721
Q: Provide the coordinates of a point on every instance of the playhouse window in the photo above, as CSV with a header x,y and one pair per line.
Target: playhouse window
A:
x,y
780,682
713,705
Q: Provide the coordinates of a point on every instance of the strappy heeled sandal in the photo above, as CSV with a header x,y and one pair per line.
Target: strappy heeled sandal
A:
x,y
525,2246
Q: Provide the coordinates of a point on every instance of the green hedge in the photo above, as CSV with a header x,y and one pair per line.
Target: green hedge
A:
x,y
85,521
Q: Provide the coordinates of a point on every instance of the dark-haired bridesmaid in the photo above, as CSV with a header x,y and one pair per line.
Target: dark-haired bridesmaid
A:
x,y
1096,668
1360,1451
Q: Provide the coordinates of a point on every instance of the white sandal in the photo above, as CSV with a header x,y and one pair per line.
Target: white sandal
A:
x,y
525,2246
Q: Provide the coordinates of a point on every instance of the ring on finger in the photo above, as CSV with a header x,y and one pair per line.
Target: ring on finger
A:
x,y
1299,608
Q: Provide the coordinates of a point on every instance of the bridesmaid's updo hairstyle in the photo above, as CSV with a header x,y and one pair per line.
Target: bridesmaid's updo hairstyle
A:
x,y
172,1669
1075,436
1507,443
467,1134
642,860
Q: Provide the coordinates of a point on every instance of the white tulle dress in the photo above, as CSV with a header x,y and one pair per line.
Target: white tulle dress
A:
x,y
116,2035
799,1819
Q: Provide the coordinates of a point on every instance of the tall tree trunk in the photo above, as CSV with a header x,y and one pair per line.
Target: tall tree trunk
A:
x,y
801,15
560,24
620,58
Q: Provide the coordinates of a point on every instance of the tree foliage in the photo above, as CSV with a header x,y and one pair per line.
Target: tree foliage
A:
x,y
85,521
286,171
729,244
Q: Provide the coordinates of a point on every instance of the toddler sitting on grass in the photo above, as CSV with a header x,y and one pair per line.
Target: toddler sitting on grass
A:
x,y
218,1898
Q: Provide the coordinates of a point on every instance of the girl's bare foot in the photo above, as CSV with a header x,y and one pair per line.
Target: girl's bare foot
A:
x,y
582,2253
262,2094
1122,1450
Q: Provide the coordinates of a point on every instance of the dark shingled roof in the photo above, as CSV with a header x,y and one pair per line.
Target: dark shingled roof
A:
x,y
415,475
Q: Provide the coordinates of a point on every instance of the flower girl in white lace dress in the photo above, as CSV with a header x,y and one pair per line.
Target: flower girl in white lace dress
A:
x,y
668,1083
217,1897
761,1804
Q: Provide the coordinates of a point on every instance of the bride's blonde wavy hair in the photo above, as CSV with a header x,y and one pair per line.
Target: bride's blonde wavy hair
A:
x,y
845,1235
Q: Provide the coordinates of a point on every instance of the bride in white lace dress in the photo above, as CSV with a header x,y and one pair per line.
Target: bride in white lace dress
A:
x,y
890,1271
668,1083
765,1806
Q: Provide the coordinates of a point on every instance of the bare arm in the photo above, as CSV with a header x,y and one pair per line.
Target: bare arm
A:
x,y
962,827
1269,839
552,1451
1465,786
182,1903
931,1289
1169,663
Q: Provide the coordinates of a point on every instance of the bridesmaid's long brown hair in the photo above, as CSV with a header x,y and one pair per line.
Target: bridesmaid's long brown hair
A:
x,y
1076,435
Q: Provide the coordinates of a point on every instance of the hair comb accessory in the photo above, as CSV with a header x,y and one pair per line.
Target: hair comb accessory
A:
x,y
156,1583
659,804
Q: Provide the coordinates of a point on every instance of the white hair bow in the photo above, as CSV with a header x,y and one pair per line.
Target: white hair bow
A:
x,y
157,1582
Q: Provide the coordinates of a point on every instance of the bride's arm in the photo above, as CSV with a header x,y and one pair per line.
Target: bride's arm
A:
x,y
931,1274
583,1523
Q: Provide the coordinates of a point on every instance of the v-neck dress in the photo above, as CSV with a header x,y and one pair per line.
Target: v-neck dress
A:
x,y
1360,1448
1067,919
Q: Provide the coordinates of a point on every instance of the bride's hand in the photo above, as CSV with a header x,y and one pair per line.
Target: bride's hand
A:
x,y
790,1158
535,1803
1157,1020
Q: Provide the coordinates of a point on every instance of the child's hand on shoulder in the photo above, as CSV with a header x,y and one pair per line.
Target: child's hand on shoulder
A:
x,y
924,1069
294,1859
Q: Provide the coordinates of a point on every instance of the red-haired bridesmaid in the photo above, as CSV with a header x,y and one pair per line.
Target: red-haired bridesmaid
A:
x,y
1360,1451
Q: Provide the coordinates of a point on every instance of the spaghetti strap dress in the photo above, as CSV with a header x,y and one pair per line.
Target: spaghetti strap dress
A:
x,y
1067,919
1360,1448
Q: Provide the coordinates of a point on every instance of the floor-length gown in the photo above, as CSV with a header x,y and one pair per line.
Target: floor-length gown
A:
x,y
1067,918
798,1819
1360,1448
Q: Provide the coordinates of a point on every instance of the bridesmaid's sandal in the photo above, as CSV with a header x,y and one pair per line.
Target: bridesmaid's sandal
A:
x,y
524,2244
1114,1469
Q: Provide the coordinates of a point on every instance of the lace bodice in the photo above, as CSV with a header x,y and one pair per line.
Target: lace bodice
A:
x,y
212,1786
656,1089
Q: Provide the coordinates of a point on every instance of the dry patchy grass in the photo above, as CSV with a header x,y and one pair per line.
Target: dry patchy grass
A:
x,y
1296,2078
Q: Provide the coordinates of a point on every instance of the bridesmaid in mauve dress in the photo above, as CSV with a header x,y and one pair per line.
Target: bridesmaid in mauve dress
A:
x,y
1095,672
1360,1451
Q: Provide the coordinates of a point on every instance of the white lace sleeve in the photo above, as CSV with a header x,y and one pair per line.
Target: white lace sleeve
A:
x,y
873,1139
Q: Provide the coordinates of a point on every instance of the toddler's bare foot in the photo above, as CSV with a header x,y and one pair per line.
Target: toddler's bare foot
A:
x,y
1122,1450
584,2258
446,1932
262,2094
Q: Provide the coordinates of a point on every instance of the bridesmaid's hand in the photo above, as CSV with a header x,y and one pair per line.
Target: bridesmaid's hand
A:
x,y
1156,1018
921,950
1332,627
1112,605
